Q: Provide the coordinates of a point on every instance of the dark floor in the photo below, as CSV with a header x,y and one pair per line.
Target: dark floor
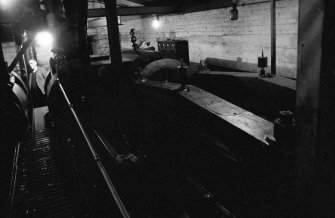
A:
x,y
178,170
178,164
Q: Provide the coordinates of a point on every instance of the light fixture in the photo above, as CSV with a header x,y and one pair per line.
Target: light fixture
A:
x,y
4,4
44,38
156,23
233,13
119,20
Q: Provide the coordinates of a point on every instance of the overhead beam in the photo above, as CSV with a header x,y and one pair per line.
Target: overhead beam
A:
x,y
128,3
205,5
133,11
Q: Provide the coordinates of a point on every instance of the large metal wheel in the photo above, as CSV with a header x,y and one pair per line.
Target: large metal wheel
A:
x,y
162,70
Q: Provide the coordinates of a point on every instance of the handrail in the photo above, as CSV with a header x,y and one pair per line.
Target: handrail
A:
x,y
95,156
13,180
106,144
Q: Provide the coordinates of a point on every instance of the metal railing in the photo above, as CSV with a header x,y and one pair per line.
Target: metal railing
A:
x,y
95,156
13,180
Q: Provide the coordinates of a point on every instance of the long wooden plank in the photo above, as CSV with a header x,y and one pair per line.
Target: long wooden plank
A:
x,y
237,116
246,121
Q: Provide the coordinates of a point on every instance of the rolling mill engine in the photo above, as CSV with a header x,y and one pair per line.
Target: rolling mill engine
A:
x,y
106,152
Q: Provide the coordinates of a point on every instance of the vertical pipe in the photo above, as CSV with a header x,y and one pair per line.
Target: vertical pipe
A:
x,y
273,37
113,36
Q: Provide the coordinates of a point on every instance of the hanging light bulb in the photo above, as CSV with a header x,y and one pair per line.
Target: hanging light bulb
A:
x,y
5,4
156,23
233,13
44,39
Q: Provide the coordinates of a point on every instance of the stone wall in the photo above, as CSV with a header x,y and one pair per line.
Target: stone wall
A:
x,y
97,30
212,34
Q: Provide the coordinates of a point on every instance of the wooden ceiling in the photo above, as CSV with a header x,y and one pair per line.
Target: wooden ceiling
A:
x,y
141,7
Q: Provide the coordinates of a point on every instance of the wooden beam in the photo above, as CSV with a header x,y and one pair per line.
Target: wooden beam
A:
x,y
314,162
4,78
308,85
273,37
113,36
128,3
133,11
241,119
205,5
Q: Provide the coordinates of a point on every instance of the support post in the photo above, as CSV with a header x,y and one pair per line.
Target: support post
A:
x,y
3,68
314,164
113,36
273,37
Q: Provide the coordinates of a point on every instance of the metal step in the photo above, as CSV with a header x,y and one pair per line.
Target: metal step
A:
x,y
42,187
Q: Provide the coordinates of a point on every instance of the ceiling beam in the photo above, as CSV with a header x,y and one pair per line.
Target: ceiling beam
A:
x,y
129,3
133,11
190,7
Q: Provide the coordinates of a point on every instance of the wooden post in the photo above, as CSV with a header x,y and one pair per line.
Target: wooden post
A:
x,y
113,36
273,37
3,68
4,78
314,173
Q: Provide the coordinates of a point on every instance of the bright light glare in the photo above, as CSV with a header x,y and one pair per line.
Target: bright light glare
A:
x,y
5,3
156,24
44,39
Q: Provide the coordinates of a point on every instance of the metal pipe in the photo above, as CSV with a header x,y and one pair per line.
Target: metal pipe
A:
x,y
95,156
13,179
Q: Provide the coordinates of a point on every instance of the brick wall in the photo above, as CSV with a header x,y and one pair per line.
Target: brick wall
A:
x,y
212,34
98,30
130,22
